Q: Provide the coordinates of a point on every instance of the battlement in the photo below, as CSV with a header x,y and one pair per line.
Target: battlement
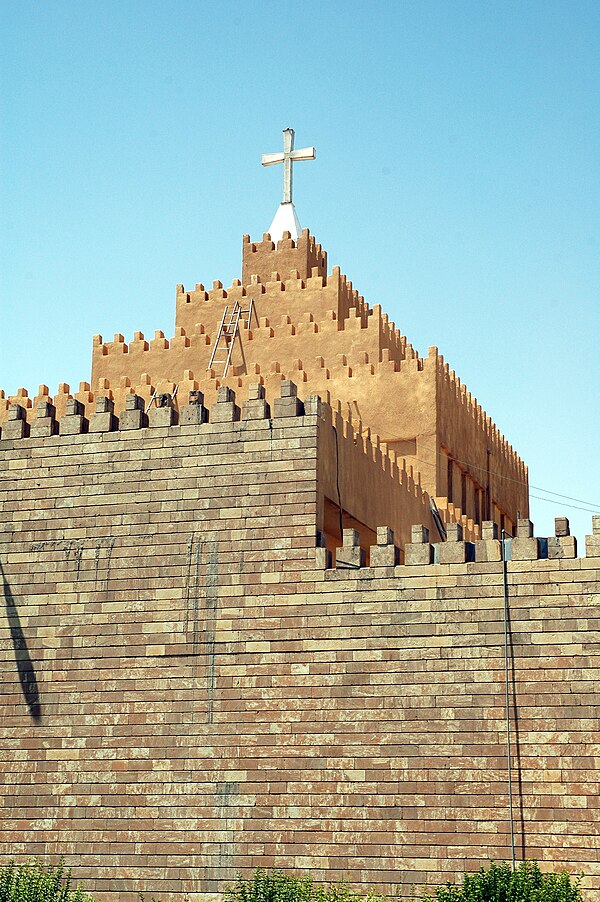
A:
x,y
83,405
456,390
516,552
303,255
349,459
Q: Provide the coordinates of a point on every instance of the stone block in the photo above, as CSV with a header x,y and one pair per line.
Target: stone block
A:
x,y
45,410
105,405
322,559
384,553
225,410
455,552
419,551
134,402
488,549
43,428
196,397
289,389
561,526
592,543
419,534
256,409
103,422
16,425
385,535
162,416
524,549
288,407
563,546
454,532
133,419
384,556
256,392
524,529
314,406
489,530
44,423
74,421
193,415
104,419
350,555
16,412
134,416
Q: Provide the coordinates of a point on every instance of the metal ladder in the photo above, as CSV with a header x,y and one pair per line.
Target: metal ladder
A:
x,y
161,399
228,330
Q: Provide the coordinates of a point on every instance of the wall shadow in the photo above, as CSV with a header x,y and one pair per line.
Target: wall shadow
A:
x,y
25,668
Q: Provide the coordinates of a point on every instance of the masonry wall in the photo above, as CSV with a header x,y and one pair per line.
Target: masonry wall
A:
x,y
187,691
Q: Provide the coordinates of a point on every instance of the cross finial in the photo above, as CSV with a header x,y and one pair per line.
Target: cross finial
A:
x,y
288,158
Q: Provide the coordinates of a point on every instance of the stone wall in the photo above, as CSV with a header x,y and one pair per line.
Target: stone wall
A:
x,y
189,692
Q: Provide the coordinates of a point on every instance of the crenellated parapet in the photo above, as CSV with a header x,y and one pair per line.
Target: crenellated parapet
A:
x,y
473,444
261,258
516,552
360,481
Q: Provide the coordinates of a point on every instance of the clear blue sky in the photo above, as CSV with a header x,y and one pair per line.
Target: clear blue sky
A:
x,y
456,183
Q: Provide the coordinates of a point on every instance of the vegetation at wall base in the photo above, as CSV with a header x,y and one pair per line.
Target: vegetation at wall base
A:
x,y
494,883
32,882
498,883
277,886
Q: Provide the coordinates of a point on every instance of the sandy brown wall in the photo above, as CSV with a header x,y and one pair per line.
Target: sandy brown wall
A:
x,y
467,434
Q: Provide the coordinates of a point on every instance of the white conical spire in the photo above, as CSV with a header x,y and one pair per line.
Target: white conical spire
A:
x,y
285,220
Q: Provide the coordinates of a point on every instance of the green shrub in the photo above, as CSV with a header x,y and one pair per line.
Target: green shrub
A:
x,y
269,886
498,883
275,886
32,882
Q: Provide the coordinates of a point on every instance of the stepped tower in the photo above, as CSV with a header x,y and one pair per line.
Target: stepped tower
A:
x,y
290,318
313,327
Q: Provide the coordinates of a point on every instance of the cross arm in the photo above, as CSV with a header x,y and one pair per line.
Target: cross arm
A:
x,y
307,153
268,159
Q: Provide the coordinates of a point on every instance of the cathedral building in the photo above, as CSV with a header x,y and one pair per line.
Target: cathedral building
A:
x,y
272,598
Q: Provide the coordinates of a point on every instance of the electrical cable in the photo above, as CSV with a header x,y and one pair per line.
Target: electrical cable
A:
x,y
588,510
507,699
593,508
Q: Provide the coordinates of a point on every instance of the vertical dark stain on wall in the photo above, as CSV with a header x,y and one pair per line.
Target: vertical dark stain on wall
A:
x,y
106,543
74,552
212,588
226,800
25,668
192,590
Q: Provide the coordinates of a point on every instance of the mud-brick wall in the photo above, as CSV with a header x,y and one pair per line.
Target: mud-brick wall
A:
x,y
187,695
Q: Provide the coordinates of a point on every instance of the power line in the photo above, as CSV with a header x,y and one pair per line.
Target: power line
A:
x,y
593,508
588,510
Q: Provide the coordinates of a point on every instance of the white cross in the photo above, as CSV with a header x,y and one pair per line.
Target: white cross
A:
x,y
288,157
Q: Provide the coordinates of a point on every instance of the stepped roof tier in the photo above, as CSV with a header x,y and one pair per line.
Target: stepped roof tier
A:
x,y
301,323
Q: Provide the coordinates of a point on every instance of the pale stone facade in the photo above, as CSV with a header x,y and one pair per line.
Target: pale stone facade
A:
x,y
190,691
